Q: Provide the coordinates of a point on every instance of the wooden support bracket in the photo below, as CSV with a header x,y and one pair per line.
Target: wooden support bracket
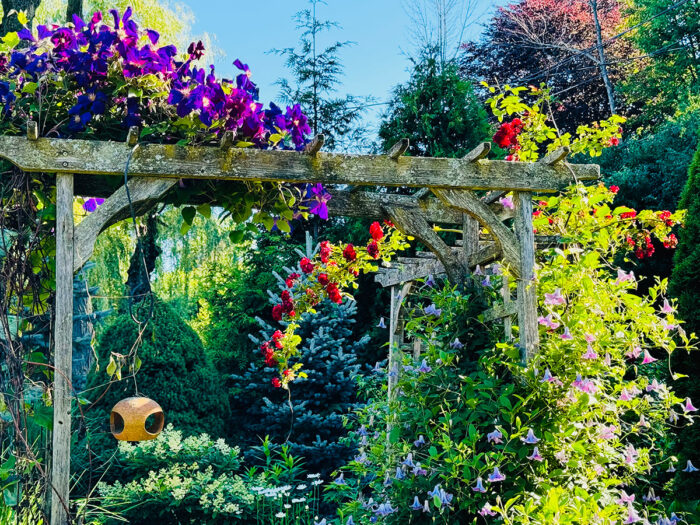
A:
x,y
478,153
413,223
32,130
227,139
527,292
467,202
558,155
133,136
145,193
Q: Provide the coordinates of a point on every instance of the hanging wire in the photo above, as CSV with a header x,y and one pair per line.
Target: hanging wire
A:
x,y
136,310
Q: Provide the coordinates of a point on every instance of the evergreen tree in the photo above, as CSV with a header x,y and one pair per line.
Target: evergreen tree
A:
x,y
685,285
318,403
315,80
436,110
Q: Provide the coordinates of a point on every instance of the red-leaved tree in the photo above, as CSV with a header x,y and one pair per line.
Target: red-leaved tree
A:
x,y
557,42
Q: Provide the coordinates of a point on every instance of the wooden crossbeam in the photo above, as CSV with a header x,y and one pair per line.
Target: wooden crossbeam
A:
x,y
198,162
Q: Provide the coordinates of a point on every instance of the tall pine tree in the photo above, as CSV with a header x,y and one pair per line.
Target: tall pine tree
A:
x,y
316,76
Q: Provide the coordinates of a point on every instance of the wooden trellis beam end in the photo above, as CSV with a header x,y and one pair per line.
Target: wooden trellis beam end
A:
x,y
32,130
315,145
478,153
133,136
398,149
227,138
558,155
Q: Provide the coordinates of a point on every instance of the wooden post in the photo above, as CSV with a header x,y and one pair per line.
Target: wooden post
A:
x,y
63,352
527,293
507,321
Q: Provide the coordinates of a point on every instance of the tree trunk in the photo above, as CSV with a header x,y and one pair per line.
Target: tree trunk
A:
x,y
601,57
9,18
75,7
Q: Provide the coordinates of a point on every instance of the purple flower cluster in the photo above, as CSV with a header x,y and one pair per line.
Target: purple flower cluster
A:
x,y
86,55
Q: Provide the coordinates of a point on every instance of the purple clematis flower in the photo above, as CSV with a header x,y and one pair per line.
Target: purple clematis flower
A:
x,y
634,353
507,202
340,480
625,395
424,368
667,308
419,442
495,436
689,467
590,354
91,205
566,336
478,270
607,360
433,310
625,498
486,281
555,298
632,516
547,377
435,491
648,358
622,276
535,455
362,431
479,487
688,406
530,439
417,505
607,432
387,480
351,521
496,475
445,498
549,322
384,509
320,200
381,324
631,455
486,510
409,461
419,471
671,468
399,474
457,344
651,496
589,338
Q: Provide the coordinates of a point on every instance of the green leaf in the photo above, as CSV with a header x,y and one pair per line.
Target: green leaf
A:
x,y
30,87
11,39
236,236
22,17
204,210
394,435
433,452
43,416
111,367
188,214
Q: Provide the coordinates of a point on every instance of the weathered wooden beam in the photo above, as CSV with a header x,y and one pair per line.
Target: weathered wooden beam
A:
x,y
198,162
370,205
527,293
467,202
145,193
408,269
398,149
63,352
413,223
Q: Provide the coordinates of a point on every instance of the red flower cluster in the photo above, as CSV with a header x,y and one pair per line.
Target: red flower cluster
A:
x,y
276,382
291,279
373,249
628,215
614,141
325,252
614,188
306,265
666,217
268,348
287,306
507,135
349,253
323,279
376,231
671,241
645,248
333,293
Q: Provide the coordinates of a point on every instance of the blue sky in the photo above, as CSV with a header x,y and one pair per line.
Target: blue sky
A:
x,y
375,64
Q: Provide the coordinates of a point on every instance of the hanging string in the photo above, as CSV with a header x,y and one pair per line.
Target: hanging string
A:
x,y
137,308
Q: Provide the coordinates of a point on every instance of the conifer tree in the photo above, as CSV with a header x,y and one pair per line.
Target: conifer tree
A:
x,y
318,403
685,286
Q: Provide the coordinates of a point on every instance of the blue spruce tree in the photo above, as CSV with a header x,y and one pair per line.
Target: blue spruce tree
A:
x,y
309,416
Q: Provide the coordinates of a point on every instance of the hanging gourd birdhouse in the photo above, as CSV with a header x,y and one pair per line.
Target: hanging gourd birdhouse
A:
x,y
136,419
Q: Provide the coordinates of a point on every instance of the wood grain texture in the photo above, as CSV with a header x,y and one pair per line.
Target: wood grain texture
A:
x,y
63,351
467,202
527,293
190,162
145,193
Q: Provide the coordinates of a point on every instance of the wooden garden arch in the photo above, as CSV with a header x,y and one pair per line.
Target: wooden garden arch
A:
x,y
446,195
